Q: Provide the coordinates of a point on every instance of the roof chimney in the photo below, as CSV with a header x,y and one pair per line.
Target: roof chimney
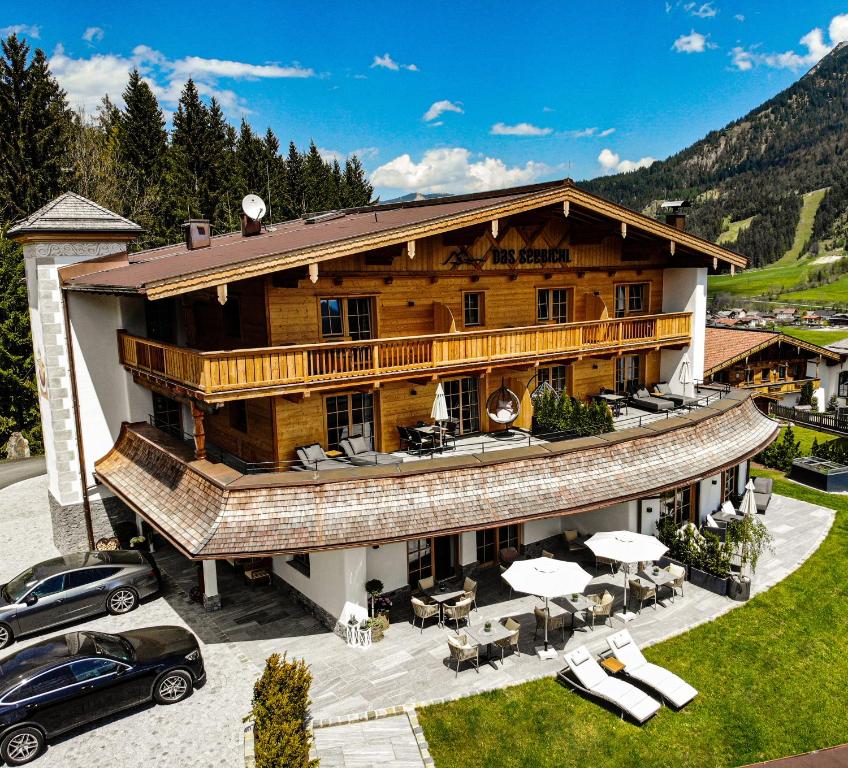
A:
x,y
675,215
198,234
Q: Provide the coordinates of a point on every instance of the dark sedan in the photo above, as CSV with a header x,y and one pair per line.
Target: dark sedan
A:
x,y
64,682
72,587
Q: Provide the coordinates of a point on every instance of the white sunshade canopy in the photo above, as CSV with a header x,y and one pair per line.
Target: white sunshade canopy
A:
x,y
749,501
439,411
626,546
546,577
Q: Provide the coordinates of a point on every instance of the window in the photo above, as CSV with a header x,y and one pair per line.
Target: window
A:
x,y
52,586
301,563
782,371
237,410
350,416
89,576
730,483
231,318
419,559
472,308
631,299
627,374
463,403
678,504
160,316
509,536
49,681
842,391
89,669
555,376
552,305
492,540
351,317
167,415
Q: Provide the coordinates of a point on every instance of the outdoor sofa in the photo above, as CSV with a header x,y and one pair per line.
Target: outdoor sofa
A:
x,y
357,452
663,390
312,458
762,493
647,402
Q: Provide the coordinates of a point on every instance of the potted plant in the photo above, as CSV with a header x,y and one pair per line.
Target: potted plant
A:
x,y
382,606
139,543
377,625
750,538
374,588
487,627
709,567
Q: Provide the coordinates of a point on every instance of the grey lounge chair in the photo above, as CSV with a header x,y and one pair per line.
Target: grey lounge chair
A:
x,y
644,400
762,493
312,458
663,391
358,453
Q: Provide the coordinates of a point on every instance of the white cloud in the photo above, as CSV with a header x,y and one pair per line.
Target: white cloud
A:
x,y
440,107
436,124
28,30
611,162
745,59
548,109
363,153
92,34
703,11
694,42
583,133
519,129
87,79
739,17
387,62
453,169
607,132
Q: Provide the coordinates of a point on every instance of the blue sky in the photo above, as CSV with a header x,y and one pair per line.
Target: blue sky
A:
x,y
450,96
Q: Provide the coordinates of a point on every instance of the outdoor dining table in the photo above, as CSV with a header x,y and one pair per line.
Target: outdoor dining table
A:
x,y
440,598
577,604
478,633
661,579
615,402
431,430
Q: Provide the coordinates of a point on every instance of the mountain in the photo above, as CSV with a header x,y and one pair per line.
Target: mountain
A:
x,y
413,197
747,179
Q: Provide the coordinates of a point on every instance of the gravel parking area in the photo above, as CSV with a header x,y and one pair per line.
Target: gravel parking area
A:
x,y
205,730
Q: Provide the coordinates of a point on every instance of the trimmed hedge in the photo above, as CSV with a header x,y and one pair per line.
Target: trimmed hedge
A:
x,y
280,709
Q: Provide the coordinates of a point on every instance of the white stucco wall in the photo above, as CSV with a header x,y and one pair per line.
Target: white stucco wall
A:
x,y
336,581
685,290
536,530
650,516
829,376
388,564
467,547
618,517
710,499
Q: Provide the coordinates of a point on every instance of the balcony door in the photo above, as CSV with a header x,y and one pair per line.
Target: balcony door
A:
x,y
167,415
463,401
436,556
492,540
628,371
349,415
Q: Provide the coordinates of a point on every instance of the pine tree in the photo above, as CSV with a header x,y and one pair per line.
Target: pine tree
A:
x,y
251,155
294,201
188,157
276,177
316,173
219,171
356,191
336,183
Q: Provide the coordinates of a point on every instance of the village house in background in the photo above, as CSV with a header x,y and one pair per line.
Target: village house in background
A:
x,y
274,394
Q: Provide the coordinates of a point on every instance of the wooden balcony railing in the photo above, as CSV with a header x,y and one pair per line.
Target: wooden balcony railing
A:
x,y
215,375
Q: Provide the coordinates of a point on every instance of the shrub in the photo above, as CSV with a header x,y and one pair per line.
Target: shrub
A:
x,y
280,709
560,413
806,395
781,453
832,450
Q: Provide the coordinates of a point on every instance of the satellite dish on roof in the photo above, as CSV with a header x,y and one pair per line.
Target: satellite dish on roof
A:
x,y
253,207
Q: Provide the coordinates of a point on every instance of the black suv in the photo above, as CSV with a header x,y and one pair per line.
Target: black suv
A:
x,y
70,680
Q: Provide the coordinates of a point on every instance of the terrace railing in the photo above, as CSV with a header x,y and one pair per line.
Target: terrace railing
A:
x,y
214,375
834,422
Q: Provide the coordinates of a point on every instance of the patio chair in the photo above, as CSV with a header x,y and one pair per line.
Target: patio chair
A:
x,y
460,610
504,582
762,493
358,453
423,611
461,650
450,431
313,458
668,685
588,676
508,555
417,442
644,400
512,641
572,541
554,623
470,587
663,390
601,607
679,573
600,560
642,592
426,584
546,553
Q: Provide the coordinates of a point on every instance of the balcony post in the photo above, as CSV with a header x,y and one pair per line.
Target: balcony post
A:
x,y
199,431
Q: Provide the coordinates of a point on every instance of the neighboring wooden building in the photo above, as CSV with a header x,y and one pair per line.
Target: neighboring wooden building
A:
x,y
343,324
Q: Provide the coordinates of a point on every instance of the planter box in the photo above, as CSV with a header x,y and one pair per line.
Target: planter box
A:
x,y
739,589
664,561
707,581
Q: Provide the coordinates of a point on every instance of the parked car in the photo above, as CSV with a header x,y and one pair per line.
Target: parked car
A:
x,y
64,682
69,588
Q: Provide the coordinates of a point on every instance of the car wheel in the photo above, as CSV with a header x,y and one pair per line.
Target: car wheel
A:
x,y
172,687
6,636
21,746
121,600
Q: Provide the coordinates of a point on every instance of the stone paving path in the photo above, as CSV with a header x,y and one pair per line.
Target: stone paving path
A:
x,y
369,744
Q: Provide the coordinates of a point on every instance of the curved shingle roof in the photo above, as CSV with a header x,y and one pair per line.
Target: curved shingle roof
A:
x,y
71,212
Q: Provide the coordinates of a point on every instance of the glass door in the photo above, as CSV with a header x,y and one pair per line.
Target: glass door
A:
x,y
419,557
463,401
350,416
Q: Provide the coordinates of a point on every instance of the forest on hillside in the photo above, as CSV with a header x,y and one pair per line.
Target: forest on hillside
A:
x,y
127,160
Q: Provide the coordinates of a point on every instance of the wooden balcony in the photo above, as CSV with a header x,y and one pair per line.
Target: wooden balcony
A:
x,y
219,376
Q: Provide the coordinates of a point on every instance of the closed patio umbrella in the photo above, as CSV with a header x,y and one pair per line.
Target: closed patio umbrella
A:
x,y
439,411
749,501
546,577
626,547
684,371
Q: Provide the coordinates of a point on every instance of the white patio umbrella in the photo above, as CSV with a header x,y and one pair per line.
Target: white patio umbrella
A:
x,y
626,547
439,411
684,371
749,501
546,577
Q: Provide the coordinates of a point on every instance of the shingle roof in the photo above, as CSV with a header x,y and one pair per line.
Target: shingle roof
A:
x,y
71,212
208,516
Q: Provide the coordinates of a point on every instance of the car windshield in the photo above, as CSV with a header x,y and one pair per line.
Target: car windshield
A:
x,y
113,646
20,585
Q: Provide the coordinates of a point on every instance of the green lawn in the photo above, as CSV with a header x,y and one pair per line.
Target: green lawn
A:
x,y
804,230
730,234
835,293
814,335
806,436
772,678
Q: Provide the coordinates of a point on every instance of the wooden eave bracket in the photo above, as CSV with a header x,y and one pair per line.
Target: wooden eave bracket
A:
x,y
410,249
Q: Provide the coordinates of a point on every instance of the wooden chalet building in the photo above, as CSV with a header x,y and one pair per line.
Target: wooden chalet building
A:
x,y
177,383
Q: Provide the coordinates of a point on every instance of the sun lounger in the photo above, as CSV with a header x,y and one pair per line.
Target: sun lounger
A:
x,y
592,679
644,400
663,391
358,453
668,685
313,458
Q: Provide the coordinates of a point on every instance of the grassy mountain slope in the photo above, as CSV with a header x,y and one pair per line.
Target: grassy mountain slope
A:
x,y
760,166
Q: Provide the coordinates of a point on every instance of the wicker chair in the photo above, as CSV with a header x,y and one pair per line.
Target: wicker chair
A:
x,y
424,585
458,611
508,555
642,592
546,553
602,607
679,573
572,541
470,587
423,611
599,561
461,651
512,640
554,622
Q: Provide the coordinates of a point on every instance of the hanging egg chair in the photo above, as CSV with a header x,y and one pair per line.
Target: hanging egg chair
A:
x,y
503,407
